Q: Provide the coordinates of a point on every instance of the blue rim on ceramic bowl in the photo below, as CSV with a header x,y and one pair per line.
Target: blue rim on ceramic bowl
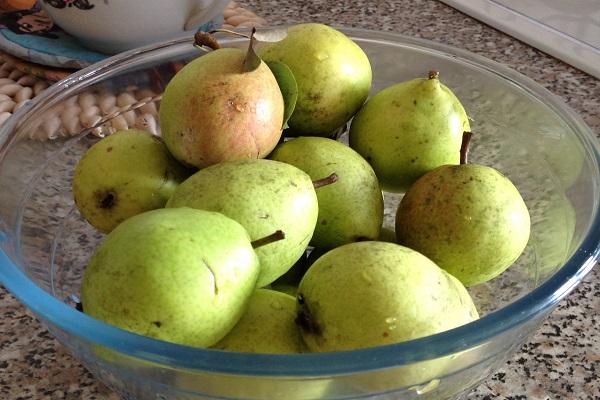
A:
x,y
534,304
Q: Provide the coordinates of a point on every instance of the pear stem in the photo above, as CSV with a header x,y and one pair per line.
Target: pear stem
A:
x,y
222,30
273,237
328,180
464,147
206,39
434,74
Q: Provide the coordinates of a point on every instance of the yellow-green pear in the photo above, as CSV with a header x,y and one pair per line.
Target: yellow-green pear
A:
x,y
332,72
264,196
124,174
368,294
409,129
176,274
350,210
469,219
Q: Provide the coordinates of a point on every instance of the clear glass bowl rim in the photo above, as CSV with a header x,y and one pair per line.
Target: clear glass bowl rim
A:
x,y
56,313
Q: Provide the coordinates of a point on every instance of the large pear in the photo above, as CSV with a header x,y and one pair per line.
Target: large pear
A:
x,y
213,110
267,326
352,208
264,196
180,275
122,175
409,129
469,219
368,294
332,72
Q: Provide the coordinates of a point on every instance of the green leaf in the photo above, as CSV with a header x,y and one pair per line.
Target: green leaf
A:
x,y
288,86
252,60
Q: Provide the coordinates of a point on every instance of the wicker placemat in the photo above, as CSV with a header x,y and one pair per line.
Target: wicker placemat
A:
x,y
20,81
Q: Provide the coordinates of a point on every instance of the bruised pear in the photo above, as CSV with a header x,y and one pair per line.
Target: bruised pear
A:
x,y
215,110
409,129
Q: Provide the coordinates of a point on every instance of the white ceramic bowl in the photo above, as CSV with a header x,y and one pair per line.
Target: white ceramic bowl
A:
x,y
118,25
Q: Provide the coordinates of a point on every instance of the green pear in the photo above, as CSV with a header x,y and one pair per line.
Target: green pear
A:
x,y
409,129
124,174
368,294
352,209
469,219
263,196
180,275
214,110
267,326
332,72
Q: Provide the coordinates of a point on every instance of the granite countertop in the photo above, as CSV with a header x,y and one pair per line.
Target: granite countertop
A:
x,y
562,361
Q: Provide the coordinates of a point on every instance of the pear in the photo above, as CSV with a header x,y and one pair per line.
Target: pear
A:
x,y
214,110
368,294
469,219
264,196
332,72
267,326
352,209
180,275
409,129
122,175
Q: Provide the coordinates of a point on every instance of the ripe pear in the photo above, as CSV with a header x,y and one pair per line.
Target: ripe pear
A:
x,y
267,326
369,294
469,219
176,274
212,110
332,72
124,174
264,196
409,129
352,209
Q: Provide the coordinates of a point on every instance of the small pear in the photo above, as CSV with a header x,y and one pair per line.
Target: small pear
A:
x,y
124,174
352,208
267,326
264,196
332,72
409,129
176,274
214,110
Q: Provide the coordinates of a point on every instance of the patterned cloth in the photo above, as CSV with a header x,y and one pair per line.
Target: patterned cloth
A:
x,y
32,36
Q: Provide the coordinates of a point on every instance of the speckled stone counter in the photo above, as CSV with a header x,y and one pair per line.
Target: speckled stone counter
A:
x,y
562,361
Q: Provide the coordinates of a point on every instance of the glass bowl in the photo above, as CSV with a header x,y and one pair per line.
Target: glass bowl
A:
x,y
519,128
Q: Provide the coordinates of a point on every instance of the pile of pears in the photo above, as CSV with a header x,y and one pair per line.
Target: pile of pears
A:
x,y
249,226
